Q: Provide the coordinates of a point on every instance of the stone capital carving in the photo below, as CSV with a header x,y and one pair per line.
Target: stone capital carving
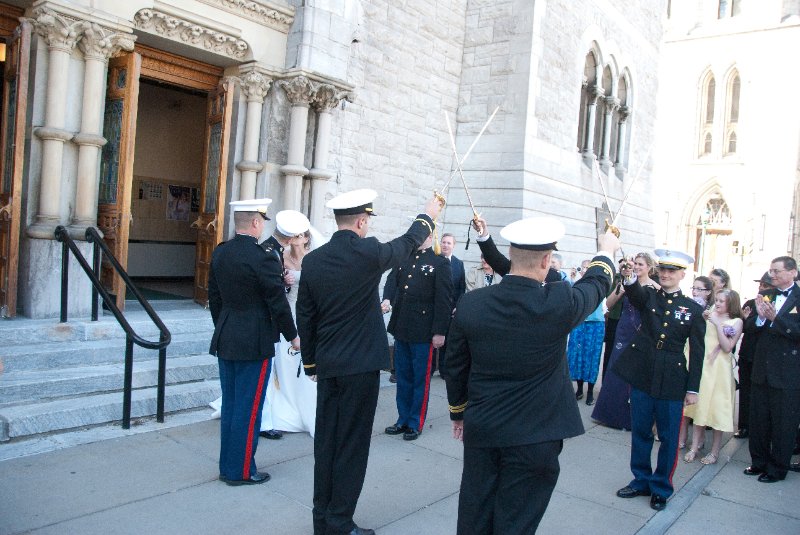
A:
x,y
299,90
624,113
100,43
190,33
595,92
59,31
260,11
612,103
325,97
255,86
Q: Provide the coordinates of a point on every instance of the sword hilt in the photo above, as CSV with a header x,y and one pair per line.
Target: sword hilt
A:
x,y
614,230
440,198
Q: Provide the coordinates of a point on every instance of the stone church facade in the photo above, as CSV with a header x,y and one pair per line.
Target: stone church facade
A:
x,y
144,119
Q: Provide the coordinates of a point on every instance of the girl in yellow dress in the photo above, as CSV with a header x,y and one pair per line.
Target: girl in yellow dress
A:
x,y
715,404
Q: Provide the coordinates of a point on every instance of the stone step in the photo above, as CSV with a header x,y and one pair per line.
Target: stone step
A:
x,y
32,385
22,331
59,355
63,414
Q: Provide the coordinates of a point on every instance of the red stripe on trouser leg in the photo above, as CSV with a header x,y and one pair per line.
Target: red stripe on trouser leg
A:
x,y
424,408
677,451
248,450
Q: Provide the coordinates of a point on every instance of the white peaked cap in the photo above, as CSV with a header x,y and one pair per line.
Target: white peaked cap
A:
x,y
358,201
534,233
672,259
252,205
291,222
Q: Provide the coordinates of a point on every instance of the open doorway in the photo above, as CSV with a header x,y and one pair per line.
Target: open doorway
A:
x,y
165,200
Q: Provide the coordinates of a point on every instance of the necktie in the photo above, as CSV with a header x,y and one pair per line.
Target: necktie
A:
x,y
784,293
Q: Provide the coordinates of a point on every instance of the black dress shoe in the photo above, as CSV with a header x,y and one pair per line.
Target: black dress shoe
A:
x,y
590,399
753,471
272,434
579,395
361,531
742,433
396,429
658,502
630,492
411,434
260,477
766,478
794,467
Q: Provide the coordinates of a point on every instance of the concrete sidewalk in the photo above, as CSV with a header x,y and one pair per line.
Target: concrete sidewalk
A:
x,y
162,478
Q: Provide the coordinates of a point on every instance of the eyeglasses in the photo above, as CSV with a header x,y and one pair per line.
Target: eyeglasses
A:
x,y
700,289
776,271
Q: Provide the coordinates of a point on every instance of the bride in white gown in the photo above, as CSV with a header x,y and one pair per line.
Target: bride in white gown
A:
x,y
291,398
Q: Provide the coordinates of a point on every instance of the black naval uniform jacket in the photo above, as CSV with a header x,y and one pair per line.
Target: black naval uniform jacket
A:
x,y
421,294
507,373
338,306
655,362
777,354
502,265
247,301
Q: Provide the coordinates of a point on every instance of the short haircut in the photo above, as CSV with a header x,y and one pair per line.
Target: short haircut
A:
x,y
708,283
449,235
242,220
788,262
723,276
525,259
347,220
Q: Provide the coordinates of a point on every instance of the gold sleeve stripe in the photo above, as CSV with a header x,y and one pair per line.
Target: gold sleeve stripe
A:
x,y
309,366
430,230
458,408
601,265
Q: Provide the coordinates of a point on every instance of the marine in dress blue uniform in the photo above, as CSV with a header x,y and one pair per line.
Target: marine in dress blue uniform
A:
x,y
249,309
661,377
508,386
420,294
345,346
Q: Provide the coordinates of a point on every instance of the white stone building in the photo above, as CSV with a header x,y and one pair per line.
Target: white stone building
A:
x,y
145,118
726,173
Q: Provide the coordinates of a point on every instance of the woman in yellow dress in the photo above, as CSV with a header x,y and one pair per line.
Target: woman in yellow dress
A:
x,y
715,403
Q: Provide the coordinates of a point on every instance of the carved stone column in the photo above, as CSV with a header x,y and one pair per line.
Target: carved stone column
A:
x,y
591,106
61,35
612,103
254,86
299,91
98,45
622,134
326,97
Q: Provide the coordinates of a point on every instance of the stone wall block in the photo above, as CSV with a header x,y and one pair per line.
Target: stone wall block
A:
x,y
478,36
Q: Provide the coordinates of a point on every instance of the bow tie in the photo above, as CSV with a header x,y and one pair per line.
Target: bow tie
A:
x,y
784,293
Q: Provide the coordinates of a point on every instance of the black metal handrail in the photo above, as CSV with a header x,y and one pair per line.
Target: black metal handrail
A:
x,y
93,272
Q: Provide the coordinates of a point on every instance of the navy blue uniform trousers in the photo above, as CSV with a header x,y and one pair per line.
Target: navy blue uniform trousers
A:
x,y
412,368
667,415
244,384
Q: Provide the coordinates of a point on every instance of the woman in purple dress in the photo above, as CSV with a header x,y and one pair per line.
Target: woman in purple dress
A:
x,y
612,408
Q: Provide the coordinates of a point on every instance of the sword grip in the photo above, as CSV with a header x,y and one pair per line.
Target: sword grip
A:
x,y
614,230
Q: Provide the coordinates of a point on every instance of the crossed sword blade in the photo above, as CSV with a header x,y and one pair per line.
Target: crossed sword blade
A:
x,y
615,218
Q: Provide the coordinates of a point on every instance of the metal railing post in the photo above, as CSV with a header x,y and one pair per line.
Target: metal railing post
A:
x,y
64,278
128,384
162,381
96,268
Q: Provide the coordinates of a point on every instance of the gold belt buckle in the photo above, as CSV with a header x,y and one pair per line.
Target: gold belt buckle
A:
x,y
659,344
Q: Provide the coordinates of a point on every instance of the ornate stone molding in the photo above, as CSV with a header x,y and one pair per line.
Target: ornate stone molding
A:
x,y
59,31
325,97
299,90
265,13
190,33
612,103
255,86
624,112
100,43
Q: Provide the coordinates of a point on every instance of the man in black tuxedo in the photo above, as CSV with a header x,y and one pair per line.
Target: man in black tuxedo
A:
x,y
249,308
345,347
747,351
661,377
419,293
459,287
775,380
508,386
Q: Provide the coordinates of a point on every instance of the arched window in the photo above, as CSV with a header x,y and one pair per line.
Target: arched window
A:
x,y
587,90
732,112
707,115
599,124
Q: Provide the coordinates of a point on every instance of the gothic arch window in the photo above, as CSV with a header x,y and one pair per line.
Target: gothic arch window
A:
x,y
588,87
732,112
716,214
707,96
620,132
728,8
602,108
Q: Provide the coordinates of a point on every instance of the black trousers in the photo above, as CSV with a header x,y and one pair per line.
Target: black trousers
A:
x,y
345,413
505,491
745,371
774,417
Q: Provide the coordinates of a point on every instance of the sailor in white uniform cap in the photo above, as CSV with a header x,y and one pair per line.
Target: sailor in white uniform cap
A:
x,y
249,309
508,385
345,346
